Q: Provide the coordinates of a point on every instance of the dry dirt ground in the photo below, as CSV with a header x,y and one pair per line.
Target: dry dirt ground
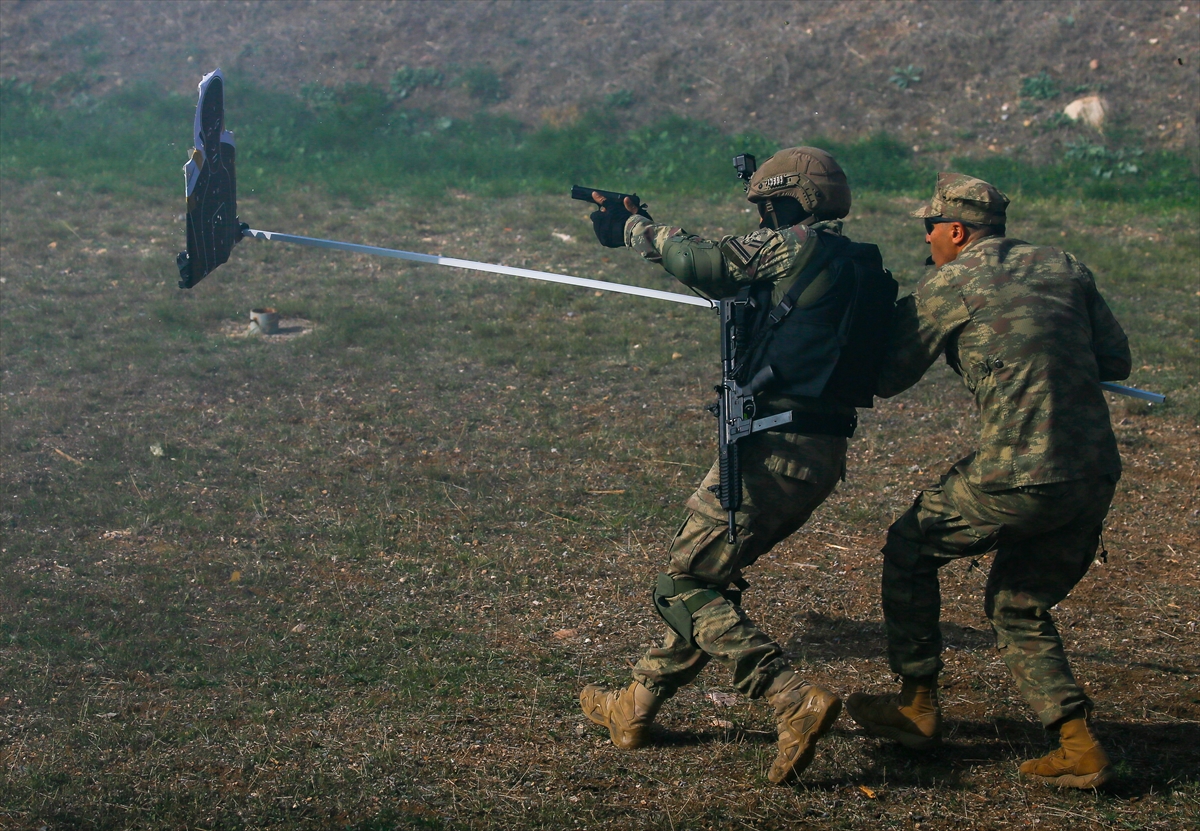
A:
x,y
791,70
357,578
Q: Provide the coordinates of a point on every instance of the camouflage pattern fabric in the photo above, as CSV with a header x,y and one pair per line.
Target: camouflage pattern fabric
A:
x,y
1044,537
1032,338
778,256
966,199
764,254
784,478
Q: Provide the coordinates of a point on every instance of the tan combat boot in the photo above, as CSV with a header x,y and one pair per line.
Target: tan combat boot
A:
x,y
627,713
805,714
912,717
1079,761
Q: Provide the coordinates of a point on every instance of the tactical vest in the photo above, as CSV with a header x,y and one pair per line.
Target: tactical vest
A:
x,y
826,337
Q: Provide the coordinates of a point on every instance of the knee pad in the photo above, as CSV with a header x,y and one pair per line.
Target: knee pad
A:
x,y
676,613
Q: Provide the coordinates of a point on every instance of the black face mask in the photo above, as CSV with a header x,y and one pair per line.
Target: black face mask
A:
x,y
783,212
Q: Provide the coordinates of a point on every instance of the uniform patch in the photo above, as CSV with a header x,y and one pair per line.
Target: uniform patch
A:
x,y
741,251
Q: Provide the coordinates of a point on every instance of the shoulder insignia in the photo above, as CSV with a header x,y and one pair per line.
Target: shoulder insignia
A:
x,y
741,251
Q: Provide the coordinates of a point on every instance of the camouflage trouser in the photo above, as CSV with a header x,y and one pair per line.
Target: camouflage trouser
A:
x,y
1045,538
784,479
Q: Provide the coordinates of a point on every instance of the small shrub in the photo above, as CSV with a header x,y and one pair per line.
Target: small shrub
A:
x,y
1040,86
318,95
407,80
620,99
73,83
905,77
83,101
1057,121
483,84
1101,162
23,108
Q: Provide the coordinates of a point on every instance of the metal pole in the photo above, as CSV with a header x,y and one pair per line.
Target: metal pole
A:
x,y
551,277
1132,392
434,259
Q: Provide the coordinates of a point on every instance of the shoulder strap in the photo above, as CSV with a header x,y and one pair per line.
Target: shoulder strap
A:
x,y
807,287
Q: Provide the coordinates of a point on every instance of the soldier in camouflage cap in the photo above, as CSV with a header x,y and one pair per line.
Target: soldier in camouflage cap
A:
x,y
1032,338
966,199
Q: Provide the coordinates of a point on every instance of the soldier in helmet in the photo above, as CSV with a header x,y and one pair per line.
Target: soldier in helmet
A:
x,y
1032,338
801,194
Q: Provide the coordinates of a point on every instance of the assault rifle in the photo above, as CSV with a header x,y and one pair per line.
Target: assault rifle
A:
x,y
735,410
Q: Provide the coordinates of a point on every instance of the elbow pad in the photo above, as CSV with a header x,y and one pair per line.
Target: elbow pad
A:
x,y
693,261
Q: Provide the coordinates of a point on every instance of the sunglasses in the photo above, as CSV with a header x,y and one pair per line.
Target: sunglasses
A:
x,y
937,220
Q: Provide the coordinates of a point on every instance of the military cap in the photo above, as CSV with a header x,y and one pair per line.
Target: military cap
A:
x,y
966,199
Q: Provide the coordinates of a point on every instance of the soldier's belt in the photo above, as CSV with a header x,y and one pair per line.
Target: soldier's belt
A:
x,y
819,424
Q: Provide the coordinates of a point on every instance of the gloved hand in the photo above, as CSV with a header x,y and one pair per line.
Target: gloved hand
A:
x,y
609,221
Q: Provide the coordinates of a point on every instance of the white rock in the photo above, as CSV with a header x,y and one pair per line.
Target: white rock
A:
x,y
1090,109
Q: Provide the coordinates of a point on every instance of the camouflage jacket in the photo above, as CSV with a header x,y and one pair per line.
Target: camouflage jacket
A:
x,y
1032,338
765,254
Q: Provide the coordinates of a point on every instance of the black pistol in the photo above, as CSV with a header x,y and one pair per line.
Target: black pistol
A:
x,y
585,195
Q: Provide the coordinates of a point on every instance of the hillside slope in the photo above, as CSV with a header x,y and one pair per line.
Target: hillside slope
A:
x,y
791,70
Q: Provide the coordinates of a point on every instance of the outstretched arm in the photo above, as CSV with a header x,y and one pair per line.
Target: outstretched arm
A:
x,y
720,268
923,325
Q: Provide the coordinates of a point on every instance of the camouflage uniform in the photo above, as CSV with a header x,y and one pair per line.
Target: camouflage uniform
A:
x,y
785,477
1032,338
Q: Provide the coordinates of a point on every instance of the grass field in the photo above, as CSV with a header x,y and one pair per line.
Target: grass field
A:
x,y
355,577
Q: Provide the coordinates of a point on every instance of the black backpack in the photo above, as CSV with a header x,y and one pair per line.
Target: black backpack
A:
x,y
826,337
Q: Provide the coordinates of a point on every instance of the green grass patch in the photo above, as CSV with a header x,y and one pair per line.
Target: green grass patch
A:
x,y
359,141
355,579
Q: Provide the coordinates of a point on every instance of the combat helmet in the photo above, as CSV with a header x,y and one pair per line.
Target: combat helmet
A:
x,y
807,174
